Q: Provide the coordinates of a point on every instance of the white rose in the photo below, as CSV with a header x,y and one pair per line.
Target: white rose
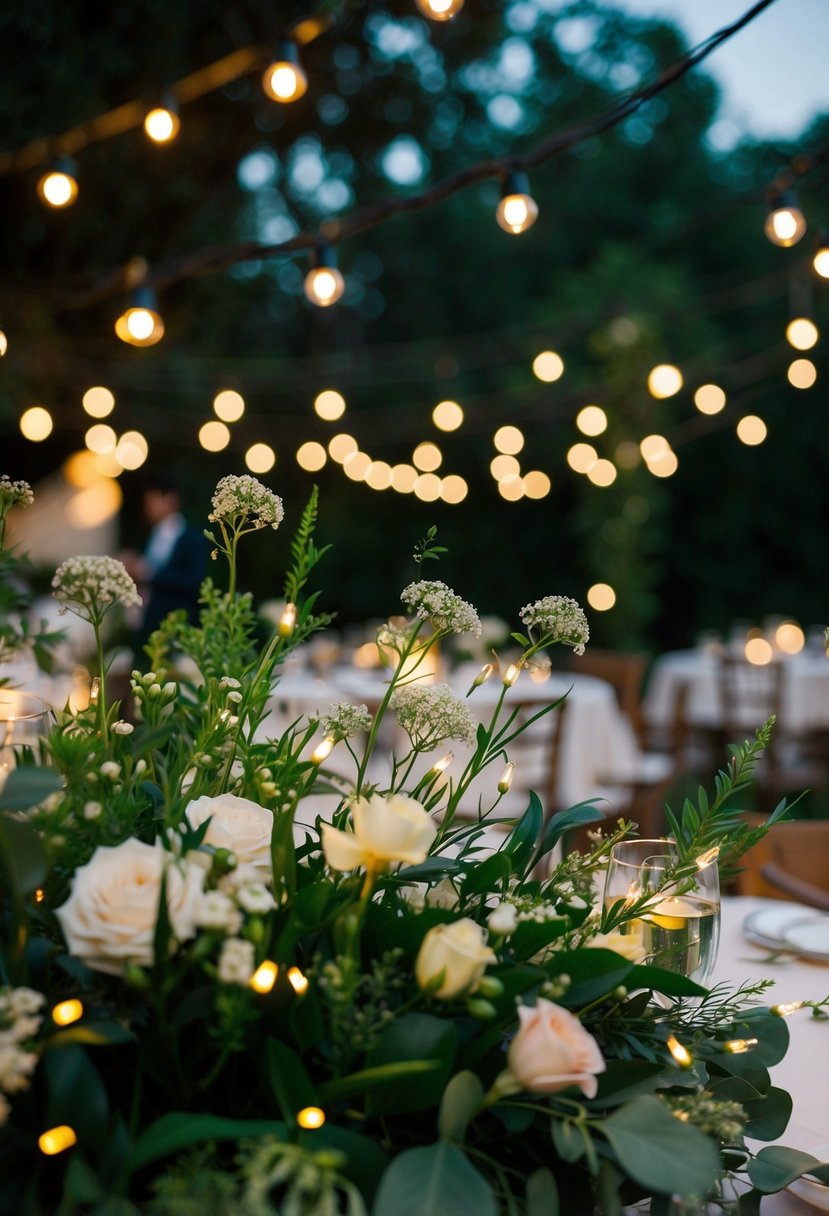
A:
x,y
552,1051
383,830
109,918
503,920
237,824
457,954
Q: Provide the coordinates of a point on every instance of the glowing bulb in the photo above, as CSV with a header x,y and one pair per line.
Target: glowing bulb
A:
x,y
322,750
601,596
509,440
56,1140
40,895
260,458
758,652
67,1012
801,333
214,436
4,343
592,420
287,622
229,405
537,484
427,457
664,465
140,324
790,638
311,456
751,430
297,980
329,405
340,447
440,10
310,1117
602,473
453,489
503,468
427,487
737,1047
162,123
441,765
517,210
802,373
548,366
59,185
378,475
785,223
664,380
403,478
98,401
511,675
36,423
132,450
357,465
264,977
581,457
447,415
681,1054
653,447
284,80
323,283
820,261
506,778
709,399
783,1011
101,439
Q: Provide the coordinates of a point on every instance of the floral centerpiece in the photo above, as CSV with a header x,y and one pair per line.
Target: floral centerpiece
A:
x,y
214,1000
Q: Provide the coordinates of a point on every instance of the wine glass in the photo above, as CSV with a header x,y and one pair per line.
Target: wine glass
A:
x,y
679,928
25,721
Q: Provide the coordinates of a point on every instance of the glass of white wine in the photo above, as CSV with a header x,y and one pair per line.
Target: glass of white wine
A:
x,y
679,925
25,721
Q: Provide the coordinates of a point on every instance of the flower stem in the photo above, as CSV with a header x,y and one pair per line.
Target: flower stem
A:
x,y
102,699
384,704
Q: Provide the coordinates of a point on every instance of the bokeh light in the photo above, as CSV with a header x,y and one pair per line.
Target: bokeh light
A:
x,y
214,436
751,430
427,457
403,478
592,420
789,637
512,489
602,473
537,484
260,458
229,405
311,456
801,333
548,366
758,651
427,487
329,405
581,457
653,446
601,596
501,467
709,399
98,401
356,465
36,423
378,476
664,380
447,415
802,373
453,489
341,446
508,439
131,450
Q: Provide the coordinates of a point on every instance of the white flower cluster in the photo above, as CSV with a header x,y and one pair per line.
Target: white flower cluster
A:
x,y
242,891
433,599
246,497
19,1021
89,586
14,492
559,616
429,715
345,720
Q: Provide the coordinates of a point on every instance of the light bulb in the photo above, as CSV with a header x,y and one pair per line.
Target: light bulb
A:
x,y
785,223
162,122
820,261
4,343
323,283
517,211
58,187
440,10
284,79
140,324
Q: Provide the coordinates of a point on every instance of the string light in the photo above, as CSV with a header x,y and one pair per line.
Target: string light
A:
x,y
517,210
801,333
504,467
789,637
663,465
440,10
820,261
162,124
664,380
140,324
132,450
681,1054
783,1011
284,79
441,765
601,597
67,1012
709,399
260,458
758,652
602,473
40,895
427,487
287,622
447,415
581,457
751,430
298,981
322,750
4,343
310,1117
228,405
264,977
653,447
738,1047
548,366
509,440
57,1140
378,475
341,446
36,423
357,465
311,456
58,187
427,457
591,420
98,401
453,489
511,488
403,478
323,283
785,223
214,436
329,405
801,373
100,439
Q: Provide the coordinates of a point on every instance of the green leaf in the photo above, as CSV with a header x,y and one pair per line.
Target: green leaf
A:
x,y
576,817
22,855
92,1034
532,936
625,1079
434,1181
525,834
659,979
542,1194
289,1082
768,1117
461,1102
283,854
77,1094
414,1036
659,1152
487,876
593,974
567,1139
370,1078
27,786
163,927
178,1130
432,867
775,1167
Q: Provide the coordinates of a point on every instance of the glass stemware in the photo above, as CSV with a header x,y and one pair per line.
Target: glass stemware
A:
x,y
25,721
679,928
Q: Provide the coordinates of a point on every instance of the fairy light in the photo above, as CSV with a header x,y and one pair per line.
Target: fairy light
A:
x,y
447,415
403,478
786,1009
378,475
758,652
4,343
511,675
548,366
140,324
322,750
802,373
681,1054
663,465
323,283
508,440
427,457
517,210
67,1012
98,402
664,380
441,765
709,399
591,420
57,1140
287,622
751,430
162,123
228,405
329,405
738,1047
537,484
132,449
264,977
820,261
506,778
785,223
503,467
708,856
453,489
40,895
802,333
36,423
581,457
357,465
58,187
284,79
602,473
440,10
601,597
310,1117
311,456
341,446
298,981
511,488
214,436
100,439
789,637
260,458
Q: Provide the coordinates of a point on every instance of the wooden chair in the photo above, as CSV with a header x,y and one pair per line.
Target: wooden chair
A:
x,y
790,862
625,670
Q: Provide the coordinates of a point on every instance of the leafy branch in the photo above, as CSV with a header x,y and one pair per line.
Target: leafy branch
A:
x,y
425,550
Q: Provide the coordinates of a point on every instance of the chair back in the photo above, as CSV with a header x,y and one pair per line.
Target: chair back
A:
x,y
790,862
535,752
748,694
625,670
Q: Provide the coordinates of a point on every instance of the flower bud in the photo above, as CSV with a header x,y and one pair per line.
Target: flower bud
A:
x,y
454,957
489,986
484,1011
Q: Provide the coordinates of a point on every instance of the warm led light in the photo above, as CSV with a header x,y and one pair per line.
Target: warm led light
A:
x,y
284,80
801,333
453,489
708,856
340,447
581,457
709,399
81,469
357,465
592,420
95,504
802,373
403,478
783,1011
509,440
378,476
260,458
751,430
537,484
67,1012
511,675
58,187
601,596
785,223
101,438
324,286
427,487
653,447
329,405
264,977
663,465
297,980
790,638
738,1047
681,1054
214,436
758,651
229,405
447,415
56,1140
40,895
427,457
4,343
140,324
98,401
36,423
664,380
506,778
504,467
310,1117
322,750
602,473
132,449
517,210
311,456
287,622
821,262
548,366
162,124
511,488
441,765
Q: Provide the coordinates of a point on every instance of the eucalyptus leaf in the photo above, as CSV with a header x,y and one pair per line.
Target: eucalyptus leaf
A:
x,y
434,1181
775,1167
660,1153
542,1194
22,855
180,1129
27,786
462,1100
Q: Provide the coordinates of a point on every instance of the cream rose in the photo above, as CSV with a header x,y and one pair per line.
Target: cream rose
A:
x,y
109,918
552,1050
383,830
239,825
457,954
629,945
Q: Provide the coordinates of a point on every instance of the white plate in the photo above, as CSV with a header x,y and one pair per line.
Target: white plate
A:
x,y
812,1192
809,937
767,926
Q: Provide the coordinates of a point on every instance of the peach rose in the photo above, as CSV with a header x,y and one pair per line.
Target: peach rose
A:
x,y
552,1050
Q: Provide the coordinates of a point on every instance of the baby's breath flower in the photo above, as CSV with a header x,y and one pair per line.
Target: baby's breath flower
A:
x,y
215,910
245,500
447,610
345,720
90,586
13,493
236,961
429,715
92,810
560,619
254,897
111,769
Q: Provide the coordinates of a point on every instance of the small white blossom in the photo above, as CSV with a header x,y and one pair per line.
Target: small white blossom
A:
x,y
215,910
229,682
245,500
13,493
431,714
90,586
561,618
21,1001
255,898
16,1068
448,612
110,769
236,961
122,728
503,920
345,720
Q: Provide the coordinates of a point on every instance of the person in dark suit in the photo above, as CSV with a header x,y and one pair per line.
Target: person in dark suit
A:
x,y
173,565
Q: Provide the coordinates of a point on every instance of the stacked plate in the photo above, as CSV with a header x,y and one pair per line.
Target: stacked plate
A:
x,y
791,927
